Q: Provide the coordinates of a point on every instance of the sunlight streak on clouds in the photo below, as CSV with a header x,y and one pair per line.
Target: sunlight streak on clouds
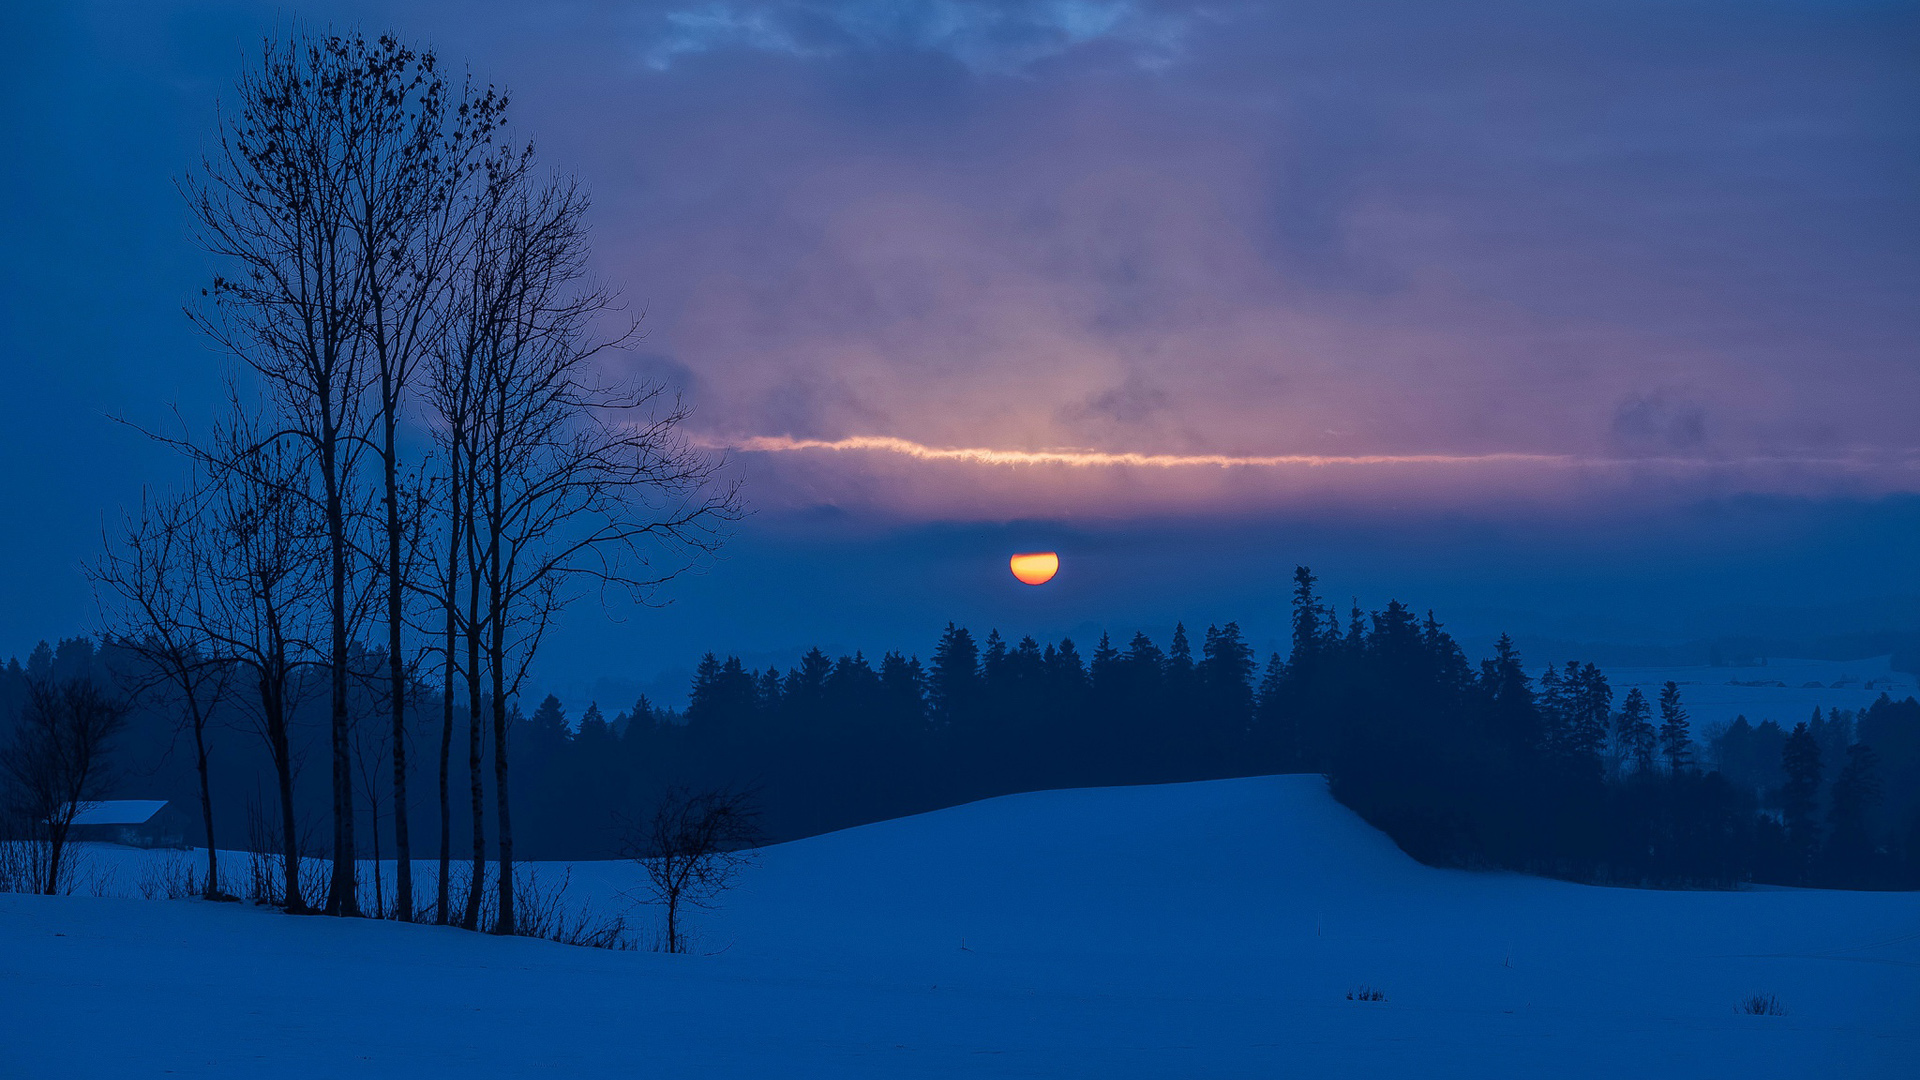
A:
x,y
1081,458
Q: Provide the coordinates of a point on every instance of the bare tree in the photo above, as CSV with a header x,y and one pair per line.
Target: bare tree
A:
x,y
404,194
152,579
55,764
453,392
328,192
692,849
370,749
570,484
258,553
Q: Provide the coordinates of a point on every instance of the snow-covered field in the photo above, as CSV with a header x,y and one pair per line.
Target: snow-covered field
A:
x,y
1193,930
1715,695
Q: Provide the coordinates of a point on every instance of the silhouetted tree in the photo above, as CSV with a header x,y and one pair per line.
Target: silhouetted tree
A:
x,y
572,484
1800,760
1855,797
260,600
276,202
954,684
416,144
692,849
154,584
1676,739
56,763
1636,732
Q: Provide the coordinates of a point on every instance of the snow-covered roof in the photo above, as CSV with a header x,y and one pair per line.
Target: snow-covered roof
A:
x,y
118,811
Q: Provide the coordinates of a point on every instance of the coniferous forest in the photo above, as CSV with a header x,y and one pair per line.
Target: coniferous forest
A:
x,y
1471,765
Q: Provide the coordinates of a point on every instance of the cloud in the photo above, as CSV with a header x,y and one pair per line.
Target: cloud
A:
x,y
1652,422
987,38
1323,229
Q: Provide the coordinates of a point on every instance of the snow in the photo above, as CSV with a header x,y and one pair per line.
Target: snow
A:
x,y
1193,930
1715,695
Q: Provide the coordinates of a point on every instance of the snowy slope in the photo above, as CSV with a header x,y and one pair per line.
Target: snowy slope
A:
x,y
1190,930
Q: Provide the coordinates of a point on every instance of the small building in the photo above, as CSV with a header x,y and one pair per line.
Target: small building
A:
x,y
142,823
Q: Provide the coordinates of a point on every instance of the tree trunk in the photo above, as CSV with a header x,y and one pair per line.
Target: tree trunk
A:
x,y
397,675
506,922
342,895
446,703
289,838
206,800
56,846
379,886
471,918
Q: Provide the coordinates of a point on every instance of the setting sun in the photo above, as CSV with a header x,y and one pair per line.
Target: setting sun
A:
x,y
1035,568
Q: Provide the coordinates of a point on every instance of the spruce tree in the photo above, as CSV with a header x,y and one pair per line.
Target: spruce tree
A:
x,y
1800,760
1306,618
1676,738
1856,795
1589,704
1512,715
1636,733
953,683
1179,657
1551,702
593,726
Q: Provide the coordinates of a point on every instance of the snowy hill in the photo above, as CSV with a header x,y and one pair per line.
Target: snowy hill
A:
x,y
1191,930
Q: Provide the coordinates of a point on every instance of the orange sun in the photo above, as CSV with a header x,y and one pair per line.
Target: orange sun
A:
x,y
1035,568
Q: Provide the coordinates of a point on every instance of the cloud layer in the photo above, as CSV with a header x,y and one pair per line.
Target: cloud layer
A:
x,y
1322,231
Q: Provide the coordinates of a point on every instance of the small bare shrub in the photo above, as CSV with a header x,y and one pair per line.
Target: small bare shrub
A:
x,y
543,912
266,863
1762,1005
173,878
14,865
1363,992
692,850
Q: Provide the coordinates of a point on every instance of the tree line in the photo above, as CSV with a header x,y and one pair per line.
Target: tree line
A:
x,y
1487,765
1492,764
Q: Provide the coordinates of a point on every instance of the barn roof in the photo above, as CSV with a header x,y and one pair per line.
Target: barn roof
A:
x,y
118,811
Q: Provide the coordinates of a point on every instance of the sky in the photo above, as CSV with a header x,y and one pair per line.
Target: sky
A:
x,y
1588,321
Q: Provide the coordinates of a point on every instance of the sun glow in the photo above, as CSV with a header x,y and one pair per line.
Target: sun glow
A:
x,y
1035,568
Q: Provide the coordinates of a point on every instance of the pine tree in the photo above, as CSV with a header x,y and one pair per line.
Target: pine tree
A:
x,y
766,695
1226,690
1635,730
953,683
1445,660
993,663
638,722
903,694
1065,673
1676,739
549,722
1512,715
1551,702
593,726
1800,760
1306,618
1856,795
1179,654
1589,704
703,705
1270,718
1226,671
803,695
